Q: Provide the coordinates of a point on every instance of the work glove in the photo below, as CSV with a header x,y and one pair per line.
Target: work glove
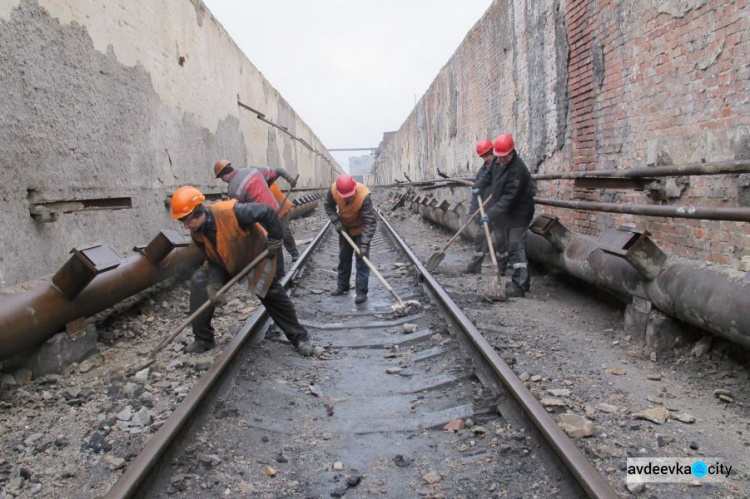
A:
x,y
484,219
364,250
290,180
475,190
217,300
338,225
273,246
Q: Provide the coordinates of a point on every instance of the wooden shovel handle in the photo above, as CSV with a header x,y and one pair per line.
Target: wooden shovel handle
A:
x,y
372,267
471,218
489,237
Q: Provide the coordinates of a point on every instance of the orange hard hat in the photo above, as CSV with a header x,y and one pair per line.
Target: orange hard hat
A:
x,y
346,185
184,201
219,166
483,147
504,145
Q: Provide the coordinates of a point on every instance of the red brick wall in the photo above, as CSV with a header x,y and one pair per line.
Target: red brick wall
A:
x,y
589,85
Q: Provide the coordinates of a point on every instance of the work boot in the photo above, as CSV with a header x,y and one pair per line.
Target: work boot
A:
x,y
304,348
200,346
295,258
512,290
339,291
361,298
475,266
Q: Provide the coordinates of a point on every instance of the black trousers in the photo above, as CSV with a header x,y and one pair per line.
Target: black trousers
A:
x,y
362,276
277,303
289,243
510,249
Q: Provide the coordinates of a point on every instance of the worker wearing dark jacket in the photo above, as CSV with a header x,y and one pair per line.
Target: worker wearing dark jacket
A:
x,y
231,235
349,207
510,212
255,185
484,151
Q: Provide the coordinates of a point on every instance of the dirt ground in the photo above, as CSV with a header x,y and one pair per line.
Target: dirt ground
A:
x,y
71,435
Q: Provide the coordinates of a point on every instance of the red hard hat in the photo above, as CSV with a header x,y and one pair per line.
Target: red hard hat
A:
x,y
504,145
483,147
346,185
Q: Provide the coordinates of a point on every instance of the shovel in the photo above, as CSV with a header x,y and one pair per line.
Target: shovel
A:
x,y
496,288
436,258
191,318
401,307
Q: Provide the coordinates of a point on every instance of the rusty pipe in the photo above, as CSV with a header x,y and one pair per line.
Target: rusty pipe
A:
x,y
733,214
717,168
30,318
709,298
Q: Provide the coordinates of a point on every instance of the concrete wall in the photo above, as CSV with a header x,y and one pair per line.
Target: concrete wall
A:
x,y
587,85
125,99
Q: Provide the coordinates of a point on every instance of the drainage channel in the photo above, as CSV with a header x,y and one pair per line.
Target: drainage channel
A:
x,y
368,415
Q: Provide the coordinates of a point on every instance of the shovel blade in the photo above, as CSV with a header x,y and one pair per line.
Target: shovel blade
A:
x,y
434,261
496,289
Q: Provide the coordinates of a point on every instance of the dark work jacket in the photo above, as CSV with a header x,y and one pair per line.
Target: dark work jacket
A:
x,y
480,182
512,193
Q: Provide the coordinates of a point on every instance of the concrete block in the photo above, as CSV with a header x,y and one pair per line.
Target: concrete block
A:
x,y
60,351
636,317
662,333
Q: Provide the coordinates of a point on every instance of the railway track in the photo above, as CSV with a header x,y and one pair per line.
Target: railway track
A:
x,y
367,415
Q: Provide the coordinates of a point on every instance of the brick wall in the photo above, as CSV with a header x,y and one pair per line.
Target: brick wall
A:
x,y
600,85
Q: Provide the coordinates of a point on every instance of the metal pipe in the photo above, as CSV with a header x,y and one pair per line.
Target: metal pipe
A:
x,y
720,167
696,212
709,298
30,318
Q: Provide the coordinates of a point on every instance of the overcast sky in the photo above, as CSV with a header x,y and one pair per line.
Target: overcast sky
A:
x,y
351,69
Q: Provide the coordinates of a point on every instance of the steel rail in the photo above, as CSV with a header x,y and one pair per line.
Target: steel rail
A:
x,y
128,484
588,477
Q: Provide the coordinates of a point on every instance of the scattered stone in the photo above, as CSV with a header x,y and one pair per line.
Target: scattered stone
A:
x,y
401,461
455,425
617,371
653,357
318,351
115,463
684,418
608,408
31,439
142,375
339,492
86,366
69,471
338,466
654,398
552,402
479,430
280,458
654,377
469,422
393,370
141,418
8,380
536,378
658,415
269,471
703,346
353,480
559,392
125,414
694,445
210,460
524,377
432,477
636,488
726,398
576,426
315,390
409,328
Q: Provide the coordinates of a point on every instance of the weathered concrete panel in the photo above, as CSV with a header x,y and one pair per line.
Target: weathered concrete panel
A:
x,y
125,99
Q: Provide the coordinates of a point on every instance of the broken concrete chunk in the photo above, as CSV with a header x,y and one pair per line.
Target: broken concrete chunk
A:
x,y
658,415
576,426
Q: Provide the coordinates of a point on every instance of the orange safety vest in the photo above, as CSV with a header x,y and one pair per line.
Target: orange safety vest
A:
x,y
237,247
349,212
279,196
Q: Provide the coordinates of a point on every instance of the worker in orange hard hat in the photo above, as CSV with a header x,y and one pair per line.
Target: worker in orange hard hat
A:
x,y
484,151
231,235
510,211
256,185
349,207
